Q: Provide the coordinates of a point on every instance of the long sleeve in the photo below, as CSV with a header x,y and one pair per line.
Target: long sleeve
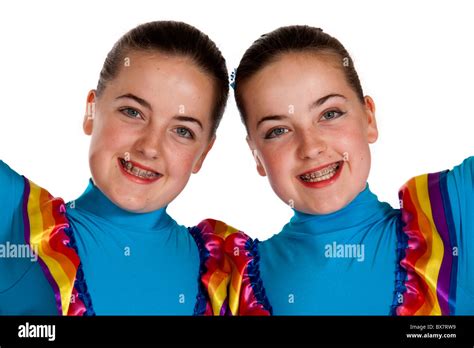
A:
x,y
24,290
435,275
460,186
11,191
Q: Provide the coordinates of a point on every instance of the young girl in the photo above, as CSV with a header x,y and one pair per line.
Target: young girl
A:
x,y
343,252
114,250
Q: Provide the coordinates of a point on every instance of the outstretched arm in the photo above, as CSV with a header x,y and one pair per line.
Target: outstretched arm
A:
x,y
11,191
436,247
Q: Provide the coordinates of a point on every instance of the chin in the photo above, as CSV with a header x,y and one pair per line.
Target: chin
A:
x,y
327,209
133,208
129,203
324,209
317,210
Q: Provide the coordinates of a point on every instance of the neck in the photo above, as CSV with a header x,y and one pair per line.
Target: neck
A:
x,y
364,209
94,202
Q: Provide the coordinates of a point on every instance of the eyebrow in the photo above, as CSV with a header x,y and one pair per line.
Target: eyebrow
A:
x,y
139,100
317,103
147,105
271,118
324,99
189,119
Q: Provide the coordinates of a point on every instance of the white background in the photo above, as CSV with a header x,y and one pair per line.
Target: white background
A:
x,y
416,59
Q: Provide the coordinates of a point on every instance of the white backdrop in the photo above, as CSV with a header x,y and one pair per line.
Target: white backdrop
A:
x,y
415,59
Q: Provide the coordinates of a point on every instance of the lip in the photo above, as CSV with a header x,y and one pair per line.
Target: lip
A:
x,y
323,183
136,179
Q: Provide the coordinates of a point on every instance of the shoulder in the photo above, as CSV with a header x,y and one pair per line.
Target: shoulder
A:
x,y
438,200
460,180
8,174
11,188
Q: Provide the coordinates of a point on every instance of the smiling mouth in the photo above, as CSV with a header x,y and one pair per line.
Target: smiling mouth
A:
x,y
325,173
137,171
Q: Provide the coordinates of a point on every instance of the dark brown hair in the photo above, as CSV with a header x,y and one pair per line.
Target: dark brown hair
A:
x,y
297,38
175,38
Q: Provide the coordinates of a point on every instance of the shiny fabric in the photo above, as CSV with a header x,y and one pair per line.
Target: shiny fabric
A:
x,y
229,277
430,260
45,226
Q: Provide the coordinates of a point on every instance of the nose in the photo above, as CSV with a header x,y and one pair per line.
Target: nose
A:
x,y
310,144
149,143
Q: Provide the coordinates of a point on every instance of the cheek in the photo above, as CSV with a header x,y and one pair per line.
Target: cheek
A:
x,y
181,159
279,166
355,145
111,137
276,161
351,140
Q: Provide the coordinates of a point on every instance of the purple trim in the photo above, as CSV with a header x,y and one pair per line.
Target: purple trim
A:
x,y
400,271
453,239
202,298
253,270
444,277
224,311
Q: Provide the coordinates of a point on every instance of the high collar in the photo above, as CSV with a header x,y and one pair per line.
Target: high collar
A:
x,y
362,211
94,202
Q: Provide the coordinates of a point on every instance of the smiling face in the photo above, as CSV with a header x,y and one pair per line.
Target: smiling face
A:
x,y
150,128
309,132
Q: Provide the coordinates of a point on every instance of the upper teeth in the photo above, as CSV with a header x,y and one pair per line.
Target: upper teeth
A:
x,y
322,174
128,166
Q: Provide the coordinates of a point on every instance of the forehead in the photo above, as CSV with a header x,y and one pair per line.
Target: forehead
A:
x,y
294,78
163,78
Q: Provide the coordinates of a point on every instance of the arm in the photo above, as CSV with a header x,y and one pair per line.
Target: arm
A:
x,y
437,243
11,192
460,186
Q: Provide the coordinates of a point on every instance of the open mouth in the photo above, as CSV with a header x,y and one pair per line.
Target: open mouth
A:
x,y
322,174
138,171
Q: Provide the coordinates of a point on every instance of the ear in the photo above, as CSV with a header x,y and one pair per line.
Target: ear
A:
x,y
372,131
198,165
260,168
90,112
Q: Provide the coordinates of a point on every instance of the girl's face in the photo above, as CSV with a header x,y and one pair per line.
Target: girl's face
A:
x,y
150,130
309,132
